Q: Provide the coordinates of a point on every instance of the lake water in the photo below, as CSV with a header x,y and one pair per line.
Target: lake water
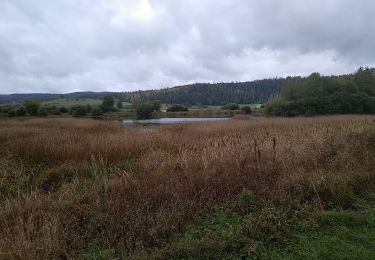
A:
x,y
165,121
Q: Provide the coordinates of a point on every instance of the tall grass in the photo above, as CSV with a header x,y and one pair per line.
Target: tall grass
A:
x,y
66,184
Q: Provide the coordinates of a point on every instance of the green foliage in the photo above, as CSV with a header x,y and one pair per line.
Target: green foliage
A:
x,y
42,111
144,111
96,112
332,234
108,103
231,106
96,253
317,95
247,200
70,102
274,232
11,113
217,94
119,104
156,104
63,110
78,111
247,110
21,111
365,80
136,101
32,107
177,108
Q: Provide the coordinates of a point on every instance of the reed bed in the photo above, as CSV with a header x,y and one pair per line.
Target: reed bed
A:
x,y
66,184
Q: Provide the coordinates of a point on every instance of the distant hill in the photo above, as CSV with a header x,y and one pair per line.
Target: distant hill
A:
x,y
19,98
253,92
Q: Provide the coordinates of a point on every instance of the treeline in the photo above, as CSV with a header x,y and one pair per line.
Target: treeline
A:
x,y
35,108
321,95
20,98
254,92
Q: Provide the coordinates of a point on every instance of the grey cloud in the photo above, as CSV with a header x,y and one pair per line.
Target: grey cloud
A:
x,y
122,45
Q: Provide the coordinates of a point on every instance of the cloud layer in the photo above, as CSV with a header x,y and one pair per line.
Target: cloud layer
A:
x,y
122,45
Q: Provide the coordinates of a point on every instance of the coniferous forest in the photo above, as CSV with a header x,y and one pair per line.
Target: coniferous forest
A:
x,y
254,92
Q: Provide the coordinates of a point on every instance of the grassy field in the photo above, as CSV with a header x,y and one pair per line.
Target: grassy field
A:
x,y
250,188
253,106
63,102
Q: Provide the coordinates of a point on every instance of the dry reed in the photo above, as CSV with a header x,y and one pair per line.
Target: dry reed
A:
x,y
65,183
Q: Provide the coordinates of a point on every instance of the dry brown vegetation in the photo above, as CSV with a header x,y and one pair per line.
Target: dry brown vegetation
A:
x,y
66,184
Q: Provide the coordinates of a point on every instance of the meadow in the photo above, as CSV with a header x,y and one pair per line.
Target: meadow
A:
x,y
70,102
274,188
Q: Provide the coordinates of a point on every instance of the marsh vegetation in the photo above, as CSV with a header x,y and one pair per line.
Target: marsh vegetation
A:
x,y
81,188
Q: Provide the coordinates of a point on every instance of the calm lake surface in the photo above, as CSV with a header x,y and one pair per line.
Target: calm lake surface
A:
x,y
165,121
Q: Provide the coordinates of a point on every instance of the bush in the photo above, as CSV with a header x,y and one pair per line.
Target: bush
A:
x,y
63,110
144,111
88,108
119,104
21,111
11,113
247,110
231,106
108,103
96,112
43,111
32,107
78,111
177,108
156,104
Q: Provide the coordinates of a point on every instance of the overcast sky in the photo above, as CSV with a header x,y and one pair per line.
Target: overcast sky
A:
x,y
123,45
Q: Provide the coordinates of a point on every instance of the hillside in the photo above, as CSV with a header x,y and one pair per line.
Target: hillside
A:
x,y
19,98
254,92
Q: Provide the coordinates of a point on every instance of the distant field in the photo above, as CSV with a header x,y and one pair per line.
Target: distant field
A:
x,y
253,106
67,102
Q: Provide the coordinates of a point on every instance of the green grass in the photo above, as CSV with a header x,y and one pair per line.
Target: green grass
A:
x,y
331,234
62,102
335,234
253,106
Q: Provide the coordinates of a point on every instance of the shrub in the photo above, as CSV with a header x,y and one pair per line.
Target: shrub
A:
x,y
11,113
88,108
177,108
144,111
156,104
96,112
63,110
246,110
32,107
231,106
78,111
21,111
119,104
108,103
43,111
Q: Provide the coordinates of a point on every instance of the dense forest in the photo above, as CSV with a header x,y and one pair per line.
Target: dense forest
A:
x,y
320,95
253,92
